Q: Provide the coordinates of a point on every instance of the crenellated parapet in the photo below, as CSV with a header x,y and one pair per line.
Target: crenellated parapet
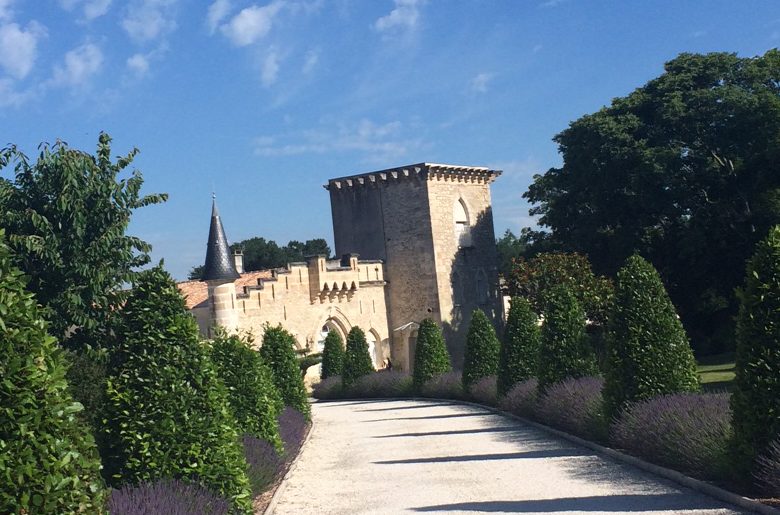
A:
x,y
420,171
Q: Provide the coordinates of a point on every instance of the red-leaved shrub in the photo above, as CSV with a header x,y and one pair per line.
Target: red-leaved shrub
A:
x,y
576,406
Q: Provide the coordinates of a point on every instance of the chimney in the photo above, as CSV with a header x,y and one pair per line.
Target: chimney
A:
x,y
238,260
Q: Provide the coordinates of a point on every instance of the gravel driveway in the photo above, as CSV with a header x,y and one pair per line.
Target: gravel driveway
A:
x,y
430,456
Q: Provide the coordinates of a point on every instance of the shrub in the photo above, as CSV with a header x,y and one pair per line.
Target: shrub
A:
x,y
445,386
686,431
756,398
252,395
380,384
357,361
482,348
48,460
332,356
431,358
87,384
279,354
520,347
293,426
168,415
648,353
264,462
169,496
521,399
484,391
767,472
563,350
575,405
329,388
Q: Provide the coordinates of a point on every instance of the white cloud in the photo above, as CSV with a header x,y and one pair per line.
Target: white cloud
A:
x,y
19,47
81,64
404,17
9,97
5,10
551,3
270,69
479,83
147,20
311,60
92,8
251,24
138,64
218,11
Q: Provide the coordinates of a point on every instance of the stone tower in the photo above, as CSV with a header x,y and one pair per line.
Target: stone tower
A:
x,y
220,273
432,225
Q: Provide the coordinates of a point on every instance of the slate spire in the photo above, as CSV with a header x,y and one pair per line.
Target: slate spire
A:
x,y
219,262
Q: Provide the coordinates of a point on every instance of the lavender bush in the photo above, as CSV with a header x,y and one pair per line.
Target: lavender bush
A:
x,y
292,427
328,388
169,496
445,386
687,431
521,399
484,391
576,406
264,463
380,384
768,470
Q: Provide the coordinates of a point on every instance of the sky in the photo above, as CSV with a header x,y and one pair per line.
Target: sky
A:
x,y
263,102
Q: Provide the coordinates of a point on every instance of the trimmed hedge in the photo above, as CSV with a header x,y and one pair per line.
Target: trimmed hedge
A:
x,y
48,460
278,352
648,353
756,398
482,349
431,358
357,361
518,359
332,356
168,414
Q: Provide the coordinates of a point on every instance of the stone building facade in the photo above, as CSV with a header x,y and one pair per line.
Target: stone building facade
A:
x,y
416,241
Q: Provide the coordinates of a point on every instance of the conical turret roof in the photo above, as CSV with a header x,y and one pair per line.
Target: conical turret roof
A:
x,y
219,262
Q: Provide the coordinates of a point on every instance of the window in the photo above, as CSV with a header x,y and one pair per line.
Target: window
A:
x,y
462,226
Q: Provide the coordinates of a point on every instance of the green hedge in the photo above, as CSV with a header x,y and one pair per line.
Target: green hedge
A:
x,y
278,352
482,348
357,361
332,356
520,347
431,358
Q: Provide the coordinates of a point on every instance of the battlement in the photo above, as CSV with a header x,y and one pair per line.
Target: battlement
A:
x,y
421,171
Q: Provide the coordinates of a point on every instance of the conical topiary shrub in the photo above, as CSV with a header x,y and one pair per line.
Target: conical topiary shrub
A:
x,y
278,352
482,349
755,402
648,353
563,349
332,356
431,358
254,400
48,459
357,361
520,346
168,416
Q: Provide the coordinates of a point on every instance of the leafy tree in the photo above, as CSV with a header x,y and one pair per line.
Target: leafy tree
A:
x,y
168,413
357,361
196,273
278,352
509,248
431,358
755,402
648,353
261,254
252,395
683,170
332,356
48,460
66,217
563,350
520,346
482,349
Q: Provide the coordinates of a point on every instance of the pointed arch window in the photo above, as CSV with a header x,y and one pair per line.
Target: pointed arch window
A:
x,y
462,224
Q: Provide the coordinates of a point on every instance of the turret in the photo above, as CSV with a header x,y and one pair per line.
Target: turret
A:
x,y
220,272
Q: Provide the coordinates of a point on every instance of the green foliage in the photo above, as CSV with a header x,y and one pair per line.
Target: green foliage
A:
x,y
756,399
307,361
332,355
278,352
196,273
648,353
261,254
563,351
510,248
86,376
482,349
168,414
431,358
520,347
251,392
66,218
48,460
684,171
357,361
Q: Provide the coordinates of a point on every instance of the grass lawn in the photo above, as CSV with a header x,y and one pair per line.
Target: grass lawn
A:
x,y
716,372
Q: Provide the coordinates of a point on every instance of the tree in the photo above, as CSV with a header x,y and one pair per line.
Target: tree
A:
x,y
196,273
66,217
262,254
332,356
168,413
48,462
482,349
563,350
520,346
252,395
755,402
684,171
509,249
648,353
431,358
278,352
357,361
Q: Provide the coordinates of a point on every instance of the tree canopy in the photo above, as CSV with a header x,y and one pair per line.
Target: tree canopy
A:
x,y
684,170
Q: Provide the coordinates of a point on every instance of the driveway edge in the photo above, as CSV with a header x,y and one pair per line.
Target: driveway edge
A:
x,y
283,483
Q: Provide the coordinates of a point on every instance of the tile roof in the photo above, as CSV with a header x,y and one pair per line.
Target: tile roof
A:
x,y
196,292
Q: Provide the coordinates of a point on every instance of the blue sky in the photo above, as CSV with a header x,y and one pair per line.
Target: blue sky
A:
x,y
264,102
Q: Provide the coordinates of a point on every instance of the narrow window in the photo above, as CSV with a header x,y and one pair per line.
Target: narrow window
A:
x,y
462,226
